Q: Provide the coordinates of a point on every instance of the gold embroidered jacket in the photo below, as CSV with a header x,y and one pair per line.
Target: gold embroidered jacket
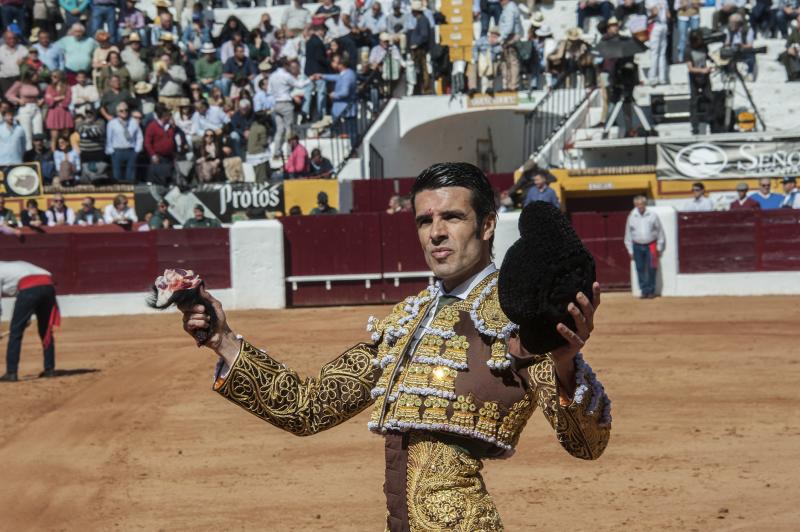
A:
x,y
466,376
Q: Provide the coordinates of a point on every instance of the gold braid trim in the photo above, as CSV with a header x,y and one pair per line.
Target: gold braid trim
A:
x,y
271,391
581,434
445,489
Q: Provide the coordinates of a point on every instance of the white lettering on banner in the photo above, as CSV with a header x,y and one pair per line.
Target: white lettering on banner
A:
x,y
744,151
778,161
265,196
601,186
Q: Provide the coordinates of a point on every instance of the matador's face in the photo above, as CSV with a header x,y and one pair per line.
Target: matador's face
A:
x,y
447,227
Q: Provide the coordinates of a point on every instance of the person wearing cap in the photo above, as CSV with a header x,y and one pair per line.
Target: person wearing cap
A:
x,y
791,194
419,40
594,8
208,69
699,203
12,55
39,153
78,50
510,32
200,220
390,68
296,164
743,202
104,14
322,205
51,55
131,56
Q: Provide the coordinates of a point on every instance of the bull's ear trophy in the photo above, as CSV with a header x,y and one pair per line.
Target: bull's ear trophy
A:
x,y
182,289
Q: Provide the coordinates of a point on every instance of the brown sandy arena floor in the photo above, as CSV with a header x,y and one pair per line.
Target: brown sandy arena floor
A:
x,y
706,430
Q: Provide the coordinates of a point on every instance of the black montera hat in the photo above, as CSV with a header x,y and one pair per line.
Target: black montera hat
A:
x,y
541,274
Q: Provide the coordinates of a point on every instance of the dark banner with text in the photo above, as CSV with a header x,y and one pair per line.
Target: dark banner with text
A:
x,y
223,201
729,159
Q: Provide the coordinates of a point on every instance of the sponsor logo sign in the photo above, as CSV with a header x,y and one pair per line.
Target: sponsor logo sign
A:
x,y
728,159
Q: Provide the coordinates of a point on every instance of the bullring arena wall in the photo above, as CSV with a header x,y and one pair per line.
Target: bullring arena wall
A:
x,y
375,258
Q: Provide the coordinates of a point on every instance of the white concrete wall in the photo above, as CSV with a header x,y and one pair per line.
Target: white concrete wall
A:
x,y
257,278
672,283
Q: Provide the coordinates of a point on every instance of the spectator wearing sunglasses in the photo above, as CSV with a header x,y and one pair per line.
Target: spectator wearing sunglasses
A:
x,y
59,213
765,198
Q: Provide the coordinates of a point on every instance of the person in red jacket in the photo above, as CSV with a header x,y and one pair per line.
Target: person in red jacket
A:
x,y
743,202
160,145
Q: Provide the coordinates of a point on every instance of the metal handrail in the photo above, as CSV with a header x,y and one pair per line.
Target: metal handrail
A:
x,y
552,112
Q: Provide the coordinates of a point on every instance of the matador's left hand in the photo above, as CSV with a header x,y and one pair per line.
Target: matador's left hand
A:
x,y
584,325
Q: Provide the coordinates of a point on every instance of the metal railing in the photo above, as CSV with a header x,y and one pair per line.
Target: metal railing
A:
x,y
375,163
563,98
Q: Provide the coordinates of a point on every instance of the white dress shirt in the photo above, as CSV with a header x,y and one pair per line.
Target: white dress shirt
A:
x,y
11,272
701,204
282,83
643,229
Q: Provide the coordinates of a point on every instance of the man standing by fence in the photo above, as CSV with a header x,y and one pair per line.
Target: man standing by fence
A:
x,y
644,240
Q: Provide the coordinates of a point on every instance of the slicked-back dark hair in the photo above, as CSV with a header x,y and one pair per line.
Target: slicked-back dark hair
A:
x,y
465,175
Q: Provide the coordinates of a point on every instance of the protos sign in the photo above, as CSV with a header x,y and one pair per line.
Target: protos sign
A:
x,y
728,160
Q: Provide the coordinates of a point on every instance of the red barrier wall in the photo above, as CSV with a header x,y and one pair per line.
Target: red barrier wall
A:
x,y
351,244
107,260
734,241
603,235
372,195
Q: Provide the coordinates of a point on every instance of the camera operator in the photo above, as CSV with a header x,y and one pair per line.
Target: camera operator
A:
x,y
623,77
699,79
738,36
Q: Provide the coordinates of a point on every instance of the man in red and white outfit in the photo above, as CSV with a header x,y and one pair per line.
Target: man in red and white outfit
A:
x,y
33,287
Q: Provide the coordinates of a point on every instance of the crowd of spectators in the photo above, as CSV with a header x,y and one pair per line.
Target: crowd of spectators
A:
x,y
762,199
133,97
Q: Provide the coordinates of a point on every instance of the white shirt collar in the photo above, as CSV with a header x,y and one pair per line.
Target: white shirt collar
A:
x,y
463,290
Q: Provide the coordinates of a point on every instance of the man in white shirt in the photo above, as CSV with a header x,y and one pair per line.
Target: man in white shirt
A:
x,y
658,12
12,55
283,82
35,293
644,240
59,213
700,203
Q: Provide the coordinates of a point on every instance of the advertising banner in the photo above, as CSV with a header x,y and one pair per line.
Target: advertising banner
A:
x,y
220,200
729,159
